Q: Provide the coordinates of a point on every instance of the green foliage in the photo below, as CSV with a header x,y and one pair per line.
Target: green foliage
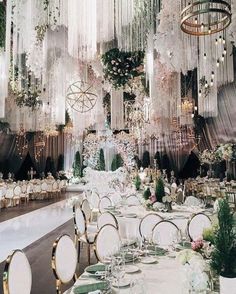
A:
x,y
147,193
117,162
159,190
101,160
146,159
2,24
121,66
224,255
209,234
4,127
60,162
77,165
137,182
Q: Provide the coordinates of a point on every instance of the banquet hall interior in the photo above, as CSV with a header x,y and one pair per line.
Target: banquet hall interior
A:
x,y
117,146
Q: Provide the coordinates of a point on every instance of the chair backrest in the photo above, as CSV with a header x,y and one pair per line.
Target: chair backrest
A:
x,y
79,221
104,203
165,233
133,200
167,190
44,186
54,185
23,188
192,201
17,191
107,242
86,209
197,224
147,224
29,189
64,259
107,218
17,276
10,192
38,188
94,199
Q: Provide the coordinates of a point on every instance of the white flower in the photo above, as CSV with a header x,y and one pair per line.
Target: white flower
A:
x,y
113,61
114,68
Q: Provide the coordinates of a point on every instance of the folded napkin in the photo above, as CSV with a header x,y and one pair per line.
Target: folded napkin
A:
x,y
87,288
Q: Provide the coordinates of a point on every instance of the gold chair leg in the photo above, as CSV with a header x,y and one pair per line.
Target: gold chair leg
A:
x,y
88,248
79,248
58,287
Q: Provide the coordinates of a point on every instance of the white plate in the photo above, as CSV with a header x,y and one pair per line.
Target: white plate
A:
x,y
130,269
130,215
148,260
123,283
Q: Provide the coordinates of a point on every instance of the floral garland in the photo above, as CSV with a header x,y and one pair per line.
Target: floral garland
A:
x,y
120,67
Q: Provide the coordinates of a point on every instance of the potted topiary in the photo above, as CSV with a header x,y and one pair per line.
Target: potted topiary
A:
x,y
160,190
224,255
147,193
137,182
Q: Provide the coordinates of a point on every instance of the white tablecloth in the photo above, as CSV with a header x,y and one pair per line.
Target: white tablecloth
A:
x,y
164,277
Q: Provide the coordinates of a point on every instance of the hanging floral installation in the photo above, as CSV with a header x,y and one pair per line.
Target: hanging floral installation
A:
x,y
121,67
124,144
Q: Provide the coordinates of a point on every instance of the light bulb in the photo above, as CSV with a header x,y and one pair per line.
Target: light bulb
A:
x,y
192,115
205,56
220,39
200,93
223,41
224,52
209,30
212,74
202,26
216,42
211,82
206,85
218,63
195,108
222,58
195,20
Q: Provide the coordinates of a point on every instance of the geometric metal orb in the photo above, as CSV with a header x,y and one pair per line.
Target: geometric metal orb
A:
x,y
205,17
81,96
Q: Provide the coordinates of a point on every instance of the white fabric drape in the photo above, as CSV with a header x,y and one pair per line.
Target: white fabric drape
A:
x,y
117,109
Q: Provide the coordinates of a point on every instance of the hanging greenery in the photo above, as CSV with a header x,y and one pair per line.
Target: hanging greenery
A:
x,y
159,190
2,24
101,160
117,162
120,66
29,98
77,165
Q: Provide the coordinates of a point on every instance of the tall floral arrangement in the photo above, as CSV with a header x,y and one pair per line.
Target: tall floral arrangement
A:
x,y
208,156
226,152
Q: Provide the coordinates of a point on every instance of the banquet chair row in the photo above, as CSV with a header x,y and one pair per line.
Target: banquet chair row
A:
x,y
17,275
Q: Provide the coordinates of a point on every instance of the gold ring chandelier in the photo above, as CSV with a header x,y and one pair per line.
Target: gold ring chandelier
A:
x,y
205,17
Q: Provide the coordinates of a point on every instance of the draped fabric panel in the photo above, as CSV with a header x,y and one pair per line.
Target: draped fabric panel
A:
x,y
13,154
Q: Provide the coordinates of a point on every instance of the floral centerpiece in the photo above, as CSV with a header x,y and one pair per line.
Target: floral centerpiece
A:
x,y
196,271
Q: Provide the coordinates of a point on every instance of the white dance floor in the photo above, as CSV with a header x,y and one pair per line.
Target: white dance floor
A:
x,y
21,231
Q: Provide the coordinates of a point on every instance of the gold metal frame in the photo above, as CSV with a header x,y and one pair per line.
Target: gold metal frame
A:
x,y
202,7
6,271
152,213
86,200
115,219
59,283
167,221
100,202
192,217
95,241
